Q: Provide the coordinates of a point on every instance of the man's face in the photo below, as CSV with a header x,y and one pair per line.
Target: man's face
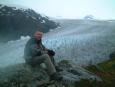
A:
x,y
38,37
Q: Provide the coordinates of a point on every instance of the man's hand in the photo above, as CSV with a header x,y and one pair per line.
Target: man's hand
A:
x,y
51,52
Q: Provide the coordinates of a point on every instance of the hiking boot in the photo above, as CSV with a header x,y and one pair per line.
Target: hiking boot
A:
x,y
56,76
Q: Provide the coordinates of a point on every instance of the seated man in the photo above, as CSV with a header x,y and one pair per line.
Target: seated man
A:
x,y
35,53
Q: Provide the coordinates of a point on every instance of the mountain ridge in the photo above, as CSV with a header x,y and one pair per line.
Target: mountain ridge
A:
x,y
16,22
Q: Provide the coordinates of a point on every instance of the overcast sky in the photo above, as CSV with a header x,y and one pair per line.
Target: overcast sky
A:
x,y
101,9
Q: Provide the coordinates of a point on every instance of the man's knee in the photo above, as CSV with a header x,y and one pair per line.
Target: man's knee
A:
x,y
45,56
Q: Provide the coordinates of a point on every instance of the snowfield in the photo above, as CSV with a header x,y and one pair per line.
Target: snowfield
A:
x,y
84,42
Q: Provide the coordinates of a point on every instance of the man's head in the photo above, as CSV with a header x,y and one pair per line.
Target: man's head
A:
x,y
38,35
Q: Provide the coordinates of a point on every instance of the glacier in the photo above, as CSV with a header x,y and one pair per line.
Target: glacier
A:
x,y
83,42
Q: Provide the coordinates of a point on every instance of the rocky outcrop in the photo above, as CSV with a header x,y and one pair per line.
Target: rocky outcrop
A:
x,y
16,22
112,55
22,75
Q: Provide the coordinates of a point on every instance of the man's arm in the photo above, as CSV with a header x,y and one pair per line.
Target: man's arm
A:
x,y
48,51
35,50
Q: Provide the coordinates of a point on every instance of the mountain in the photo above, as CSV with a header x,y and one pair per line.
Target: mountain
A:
x,y
16,22
89,17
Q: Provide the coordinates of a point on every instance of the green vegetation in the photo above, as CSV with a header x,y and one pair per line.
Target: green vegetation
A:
x,y
105,70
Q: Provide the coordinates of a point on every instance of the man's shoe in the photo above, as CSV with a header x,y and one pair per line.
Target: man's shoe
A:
x,y
58,69
56,76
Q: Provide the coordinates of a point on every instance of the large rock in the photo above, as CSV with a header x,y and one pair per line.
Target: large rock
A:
x,y
23,75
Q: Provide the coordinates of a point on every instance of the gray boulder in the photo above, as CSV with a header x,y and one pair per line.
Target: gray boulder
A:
x,y
22,75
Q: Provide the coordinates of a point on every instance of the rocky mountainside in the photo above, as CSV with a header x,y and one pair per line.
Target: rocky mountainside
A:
x,y
22,75
15,22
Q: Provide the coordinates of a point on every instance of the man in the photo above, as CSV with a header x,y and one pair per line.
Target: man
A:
x,y
35,54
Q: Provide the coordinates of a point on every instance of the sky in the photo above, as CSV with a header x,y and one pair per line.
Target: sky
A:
x,y
100,9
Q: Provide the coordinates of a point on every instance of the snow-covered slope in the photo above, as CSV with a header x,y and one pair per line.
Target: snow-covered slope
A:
x,y
82,41
12,52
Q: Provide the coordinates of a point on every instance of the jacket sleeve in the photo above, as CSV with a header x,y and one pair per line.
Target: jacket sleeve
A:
x,y
34,50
